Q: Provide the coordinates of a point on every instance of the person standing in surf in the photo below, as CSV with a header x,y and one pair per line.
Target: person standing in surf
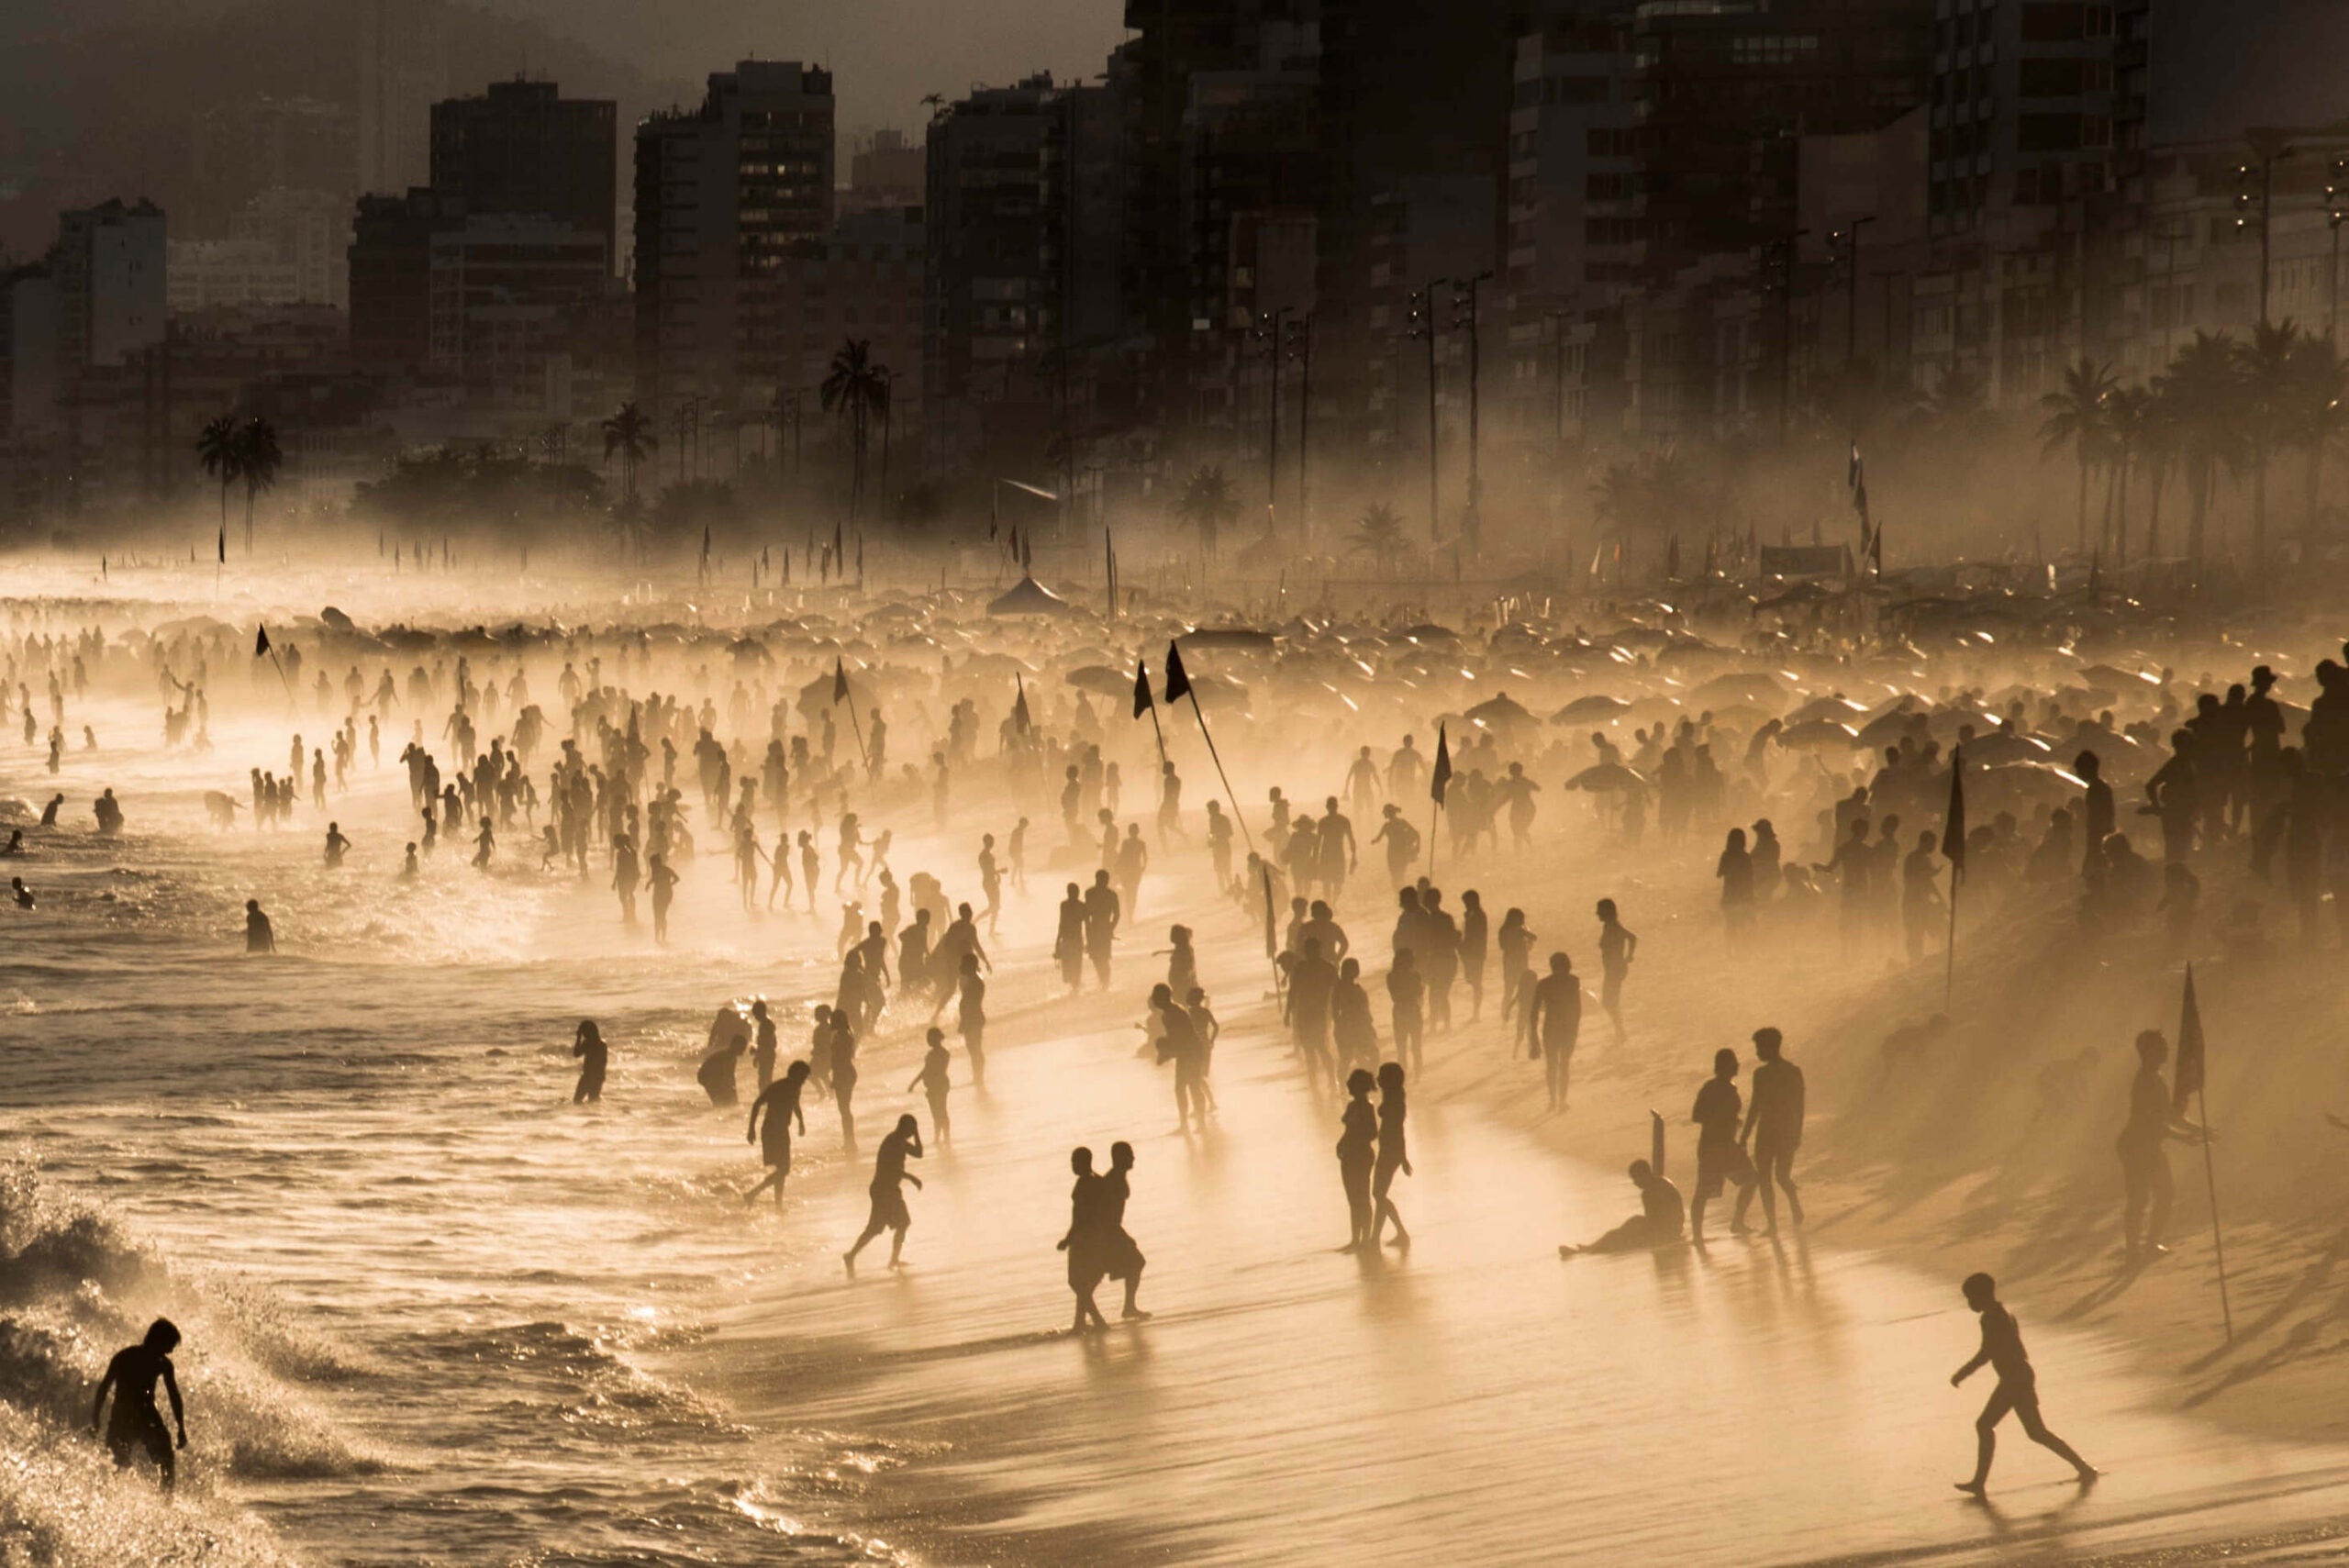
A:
x,y
780,1101
889,1176
136,1425
588,1046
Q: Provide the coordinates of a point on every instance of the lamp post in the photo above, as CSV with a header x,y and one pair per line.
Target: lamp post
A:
x,y
1464,296
1300,346
2256,183
1269,326
1423,326
1849,238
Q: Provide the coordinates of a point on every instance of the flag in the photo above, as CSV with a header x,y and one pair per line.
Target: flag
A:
x,y
224,544
1954,821
1028,553
1178,680
2188,1083
838,554
1856,473
261,643
1142,688
1019,719
1671,558
1441,777
1875,548
840,680
705,542
1014,543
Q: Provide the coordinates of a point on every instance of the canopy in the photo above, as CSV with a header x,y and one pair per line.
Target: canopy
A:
x,y
1030,598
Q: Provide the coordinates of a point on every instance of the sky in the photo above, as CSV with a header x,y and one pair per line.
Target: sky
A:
x,y
884,54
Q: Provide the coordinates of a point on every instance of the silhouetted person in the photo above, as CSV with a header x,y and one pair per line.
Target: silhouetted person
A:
x,y
1658,1223
932,1081
889,1176
260,936
1773,1126
1393,1153
588,1046
2144,1165
780,1102
1721,1159
135,1423
2018,1388
1357,1154
769,1047
1121,1259
716,1075
1553,1025
841,1054
1618,946
971,1018
1083,1242
1068,941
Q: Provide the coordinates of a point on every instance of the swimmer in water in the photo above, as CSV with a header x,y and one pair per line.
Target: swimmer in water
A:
x,y
260,936
408,868
137,1424
889,1176
593,1053
335,843
24,896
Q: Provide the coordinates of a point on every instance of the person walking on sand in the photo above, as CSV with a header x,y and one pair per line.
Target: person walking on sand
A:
x,y
1553,1025
1082,1243
1618,946
1120,1259
2144,1165
1393,1155
1773,1127
1357,1153
2018,1388
1721,1158
887,1191
780,1102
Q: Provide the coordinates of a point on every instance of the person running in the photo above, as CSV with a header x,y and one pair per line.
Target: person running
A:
x,y
932,1081
889,1176
1618,946
1553,1025
2018,1388
2145,1166
136,1424
1721,1158
1773,1127
1357,1154
588,1045
780,1102
1393,1155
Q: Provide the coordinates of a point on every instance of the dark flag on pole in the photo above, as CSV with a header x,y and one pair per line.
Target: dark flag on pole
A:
x,y
840,680
2190,1049
1028,553
1953,823
261,643
1178,680
1440,778
1142,688
840,555
224,544
1015,543
1019,719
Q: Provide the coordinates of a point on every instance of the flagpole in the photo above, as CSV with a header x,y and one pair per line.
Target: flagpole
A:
x,y
2218,1241
1216,758
1949,972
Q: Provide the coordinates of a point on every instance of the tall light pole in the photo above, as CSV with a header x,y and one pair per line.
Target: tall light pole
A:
x,y
1269,326
1423,326
2256,183
1464,296
1849,238
1300,346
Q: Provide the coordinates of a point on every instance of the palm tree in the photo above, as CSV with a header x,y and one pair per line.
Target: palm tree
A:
x,y
629,433
2157,445
257,460
2319,379
216,449
2267,373
1206,504
2203,386
2128,410
2078,416
1379,535
856,389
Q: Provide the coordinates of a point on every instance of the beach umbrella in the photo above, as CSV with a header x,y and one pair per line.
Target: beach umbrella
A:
x,y
1605,778
1818,735
1596,708
1101,680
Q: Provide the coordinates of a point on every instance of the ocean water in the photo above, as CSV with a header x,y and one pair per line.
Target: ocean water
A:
x,y
437,1314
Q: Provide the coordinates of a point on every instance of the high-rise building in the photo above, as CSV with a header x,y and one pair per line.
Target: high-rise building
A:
x,y
391,276
240,149
886,173
111,264
401,70
1023,276
523,150
724,195
503,293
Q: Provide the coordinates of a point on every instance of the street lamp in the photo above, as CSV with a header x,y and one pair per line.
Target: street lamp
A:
x,y
2256,183
1423,325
